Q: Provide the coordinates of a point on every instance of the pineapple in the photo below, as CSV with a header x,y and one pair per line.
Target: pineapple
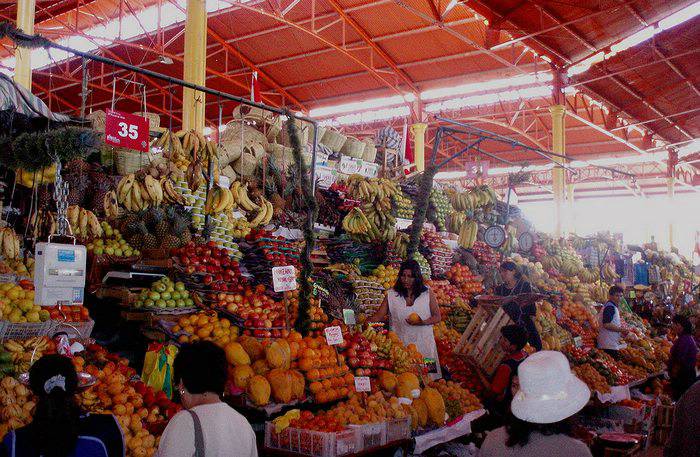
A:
x,y
162,227
182,230
136,237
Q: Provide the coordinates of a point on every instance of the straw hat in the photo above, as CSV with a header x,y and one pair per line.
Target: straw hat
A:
x,y
549,391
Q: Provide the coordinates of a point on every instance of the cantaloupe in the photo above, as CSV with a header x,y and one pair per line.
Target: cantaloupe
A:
x,y
277,354
406,385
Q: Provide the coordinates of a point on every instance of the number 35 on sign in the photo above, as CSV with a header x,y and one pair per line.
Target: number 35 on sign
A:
x,y
284,278
126,130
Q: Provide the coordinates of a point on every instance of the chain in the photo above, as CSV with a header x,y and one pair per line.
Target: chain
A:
x,y
60,194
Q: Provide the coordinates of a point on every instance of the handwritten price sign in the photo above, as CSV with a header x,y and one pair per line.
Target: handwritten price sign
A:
x,y
362,384
284,278
126,130
334,335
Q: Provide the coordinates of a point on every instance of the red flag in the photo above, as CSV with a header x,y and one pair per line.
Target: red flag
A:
x,y
255,89
409,150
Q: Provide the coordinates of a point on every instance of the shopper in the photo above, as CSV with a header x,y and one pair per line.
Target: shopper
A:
x,y
412,310
208,427
549,394
685,432
521,308
683,357
499,390
611,324
59,428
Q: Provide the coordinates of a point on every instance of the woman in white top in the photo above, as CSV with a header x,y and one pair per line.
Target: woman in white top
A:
x,y
412,310
549,394
207,427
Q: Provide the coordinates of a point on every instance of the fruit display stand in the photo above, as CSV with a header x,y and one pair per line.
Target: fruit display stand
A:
x,y
455,429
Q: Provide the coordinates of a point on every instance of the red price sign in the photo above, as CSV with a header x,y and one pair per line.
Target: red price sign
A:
x,y
362,384
334,335
284,278
126,130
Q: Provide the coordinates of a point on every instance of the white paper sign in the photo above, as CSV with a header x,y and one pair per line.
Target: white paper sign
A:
x,y
284,278
350,166
349,316
325,176
362,384
369,169
578,341
334,335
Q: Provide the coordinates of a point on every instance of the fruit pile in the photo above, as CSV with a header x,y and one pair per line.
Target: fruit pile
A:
x,y
17,406
137,193
458,400
460,371
158,228
389,345
262,316
17,303
264,372
594,380
328,377
265,251
68,313
437,252
20,267
473,199
423,263
366,409
18,354
403,205
385,275
445,294
373,221
369,295
320,423
83,223
209,266
468,282
204,326
364,357
554,338
485,255
163,295
111,243
440,208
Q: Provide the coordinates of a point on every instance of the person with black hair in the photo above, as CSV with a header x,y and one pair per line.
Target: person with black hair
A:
x,y
683,357
59,428
538,423
207,427
611,324
520,310
412,310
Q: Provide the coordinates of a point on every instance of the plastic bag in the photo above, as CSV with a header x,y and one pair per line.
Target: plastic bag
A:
x,y
158,367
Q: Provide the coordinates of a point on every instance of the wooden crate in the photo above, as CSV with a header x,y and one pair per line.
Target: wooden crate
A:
x,y
480,339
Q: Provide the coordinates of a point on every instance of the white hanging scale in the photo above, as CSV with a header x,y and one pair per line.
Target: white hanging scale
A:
x,y
495,236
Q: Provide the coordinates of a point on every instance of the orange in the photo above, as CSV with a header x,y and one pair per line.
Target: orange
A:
x,y
313,374
306,364
315,387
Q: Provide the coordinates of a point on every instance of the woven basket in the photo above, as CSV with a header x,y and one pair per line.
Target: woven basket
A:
x,y
268,122
281,154
353,148
235,139
98,119
321,131
246,164
370,152
303,130
334,139
130,161
153,120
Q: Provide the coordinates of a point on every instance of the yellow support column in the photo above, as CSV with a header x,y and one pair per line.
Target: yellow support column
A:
x,y
418,132
558,177
23,56
195,65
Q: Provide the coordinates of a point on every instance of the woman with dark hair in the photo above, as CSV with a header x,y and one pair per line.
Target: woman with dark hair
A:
x,y
207,427
59,428
683,357
549,394
521,311
412,310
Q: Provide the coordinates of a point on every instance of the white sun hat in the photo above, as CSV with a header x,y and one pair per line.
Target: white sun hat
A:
x,y
549,391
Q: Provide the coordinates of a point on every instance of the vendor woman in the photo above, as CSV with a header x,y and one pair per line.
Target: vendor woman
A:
x,y
521,312
412,310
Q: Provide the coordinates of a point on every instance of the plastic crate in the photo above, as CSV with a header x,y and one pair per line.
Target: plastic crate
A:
x,y
80,330
371,435
312,443
397,430
23,331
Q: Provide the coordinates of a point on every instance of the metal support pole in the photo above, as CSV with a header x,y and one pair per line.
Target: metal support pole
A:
x,y
418,132
570,205
671,190
558,175
195,65
23,56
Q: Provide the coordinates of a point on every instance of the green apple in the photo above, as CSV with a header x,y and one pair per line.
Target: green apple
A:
x,y
161,303
180,286
171,303
166,295
154,295
149,303
189,302
180,303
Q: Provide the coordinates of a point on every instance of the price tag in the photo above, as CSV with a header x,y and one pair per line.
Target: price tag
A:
x,y
325,176
349,317
224,182
126,130
350,166
369,169
284,278
334,335
578,341
362,384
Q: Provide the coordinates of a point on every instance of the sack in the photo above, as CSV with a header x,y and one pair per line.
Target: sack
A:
x,y
158,367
